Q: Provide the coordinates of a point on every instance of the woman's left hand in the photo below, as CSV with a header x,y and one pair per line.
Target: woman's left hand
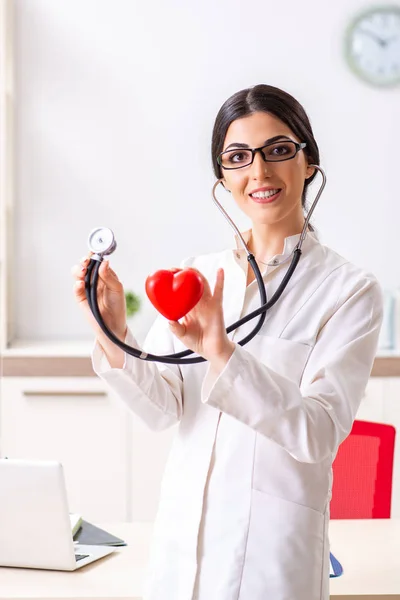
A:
x,y
203,329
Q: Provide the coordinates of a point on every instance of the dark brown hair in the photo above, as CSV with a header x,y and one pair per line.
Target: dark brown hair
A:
x,y
272,100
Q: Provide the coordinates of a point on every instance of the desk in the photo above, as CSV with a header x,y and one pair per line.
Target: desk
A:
x,y
369,551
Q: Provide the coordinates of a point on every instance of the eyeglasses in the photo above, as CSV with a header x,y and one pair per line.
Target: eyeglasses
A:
x,y
237,158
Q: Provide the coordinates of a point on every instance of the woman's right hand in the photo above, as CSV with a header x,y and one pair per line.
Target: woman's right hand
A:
x,y
110,298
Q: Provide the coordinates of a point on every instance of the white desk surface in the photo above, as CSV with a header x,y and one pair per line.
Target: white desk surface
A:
x,y
368,550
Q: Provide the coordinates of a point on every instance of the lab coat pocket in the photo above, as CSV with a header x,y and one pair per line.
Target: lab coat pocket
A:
x,y
285,550
286,357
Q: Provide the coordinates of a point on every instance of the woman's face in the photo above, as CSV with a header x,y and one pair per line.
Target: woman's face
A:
x,y
251,186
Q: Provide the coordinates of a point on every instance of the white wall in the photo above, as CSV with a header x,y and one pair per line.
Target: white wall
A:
x,y
116,101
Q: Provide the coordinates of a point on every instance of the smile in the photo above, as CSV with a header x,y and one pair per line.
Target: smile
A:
x,y
265,197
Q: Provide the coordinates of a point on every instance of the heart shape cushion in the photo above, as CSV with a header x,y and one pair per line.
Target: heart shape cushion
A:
x,y
174,292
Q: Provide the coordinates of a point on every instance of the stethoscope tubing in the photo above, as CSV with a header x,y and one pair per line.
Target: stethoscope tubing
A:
x,y
180,358
91,281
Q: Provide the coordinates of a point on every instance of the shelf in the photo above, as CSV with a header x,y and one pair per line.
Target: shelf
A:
x,y
386,366
44,366
32,358
50,349
50,359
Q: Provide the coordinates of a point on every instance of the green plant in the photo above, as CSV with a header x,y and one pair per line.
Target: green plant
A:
x,y
132,303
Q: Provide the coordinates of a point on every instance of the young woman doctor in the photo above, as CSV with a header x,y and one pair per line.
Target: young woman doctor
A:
x,y
244,506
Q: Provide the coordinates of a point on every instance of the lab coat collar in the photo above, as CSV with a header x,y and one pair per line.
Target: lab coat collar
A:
x,y
289,243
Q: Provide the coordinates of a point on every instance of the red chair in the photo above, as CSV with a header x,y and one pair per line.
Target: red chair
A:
x,y
362,473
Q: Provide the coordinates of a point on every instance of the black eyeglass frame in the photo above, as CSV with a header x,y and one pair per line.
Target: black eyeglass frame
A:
x,y
298,146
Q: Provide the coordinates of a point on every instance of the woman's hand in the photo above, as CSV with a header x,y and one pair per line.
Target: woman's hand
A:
x,y
110,297
203,329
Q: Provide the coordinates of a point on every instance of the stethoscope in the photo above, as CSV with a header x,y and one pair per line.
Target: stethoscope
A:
x,y
102,243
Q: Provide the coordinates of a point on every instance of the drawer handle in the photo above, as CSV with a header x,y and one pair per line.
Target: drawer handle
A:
x,y
34,393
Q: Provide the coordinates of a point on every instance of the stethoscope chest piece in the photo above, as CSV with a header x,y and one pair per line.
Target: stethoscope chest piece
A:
x,y
102,241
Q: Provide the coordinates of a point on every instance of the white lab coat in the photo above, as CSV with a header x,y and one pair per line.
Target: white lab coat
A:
x,y
244,506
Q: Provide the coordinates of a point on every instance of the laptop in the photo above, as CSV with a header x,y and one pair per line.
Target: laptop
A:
x,y
35,525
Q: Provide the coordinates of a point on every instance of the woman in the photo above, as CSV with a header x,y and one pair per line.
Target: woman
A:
x,y
244,506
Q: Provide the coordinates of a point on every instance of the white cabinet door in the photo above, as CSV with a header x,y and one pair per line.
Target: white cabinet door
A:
x,y
76,421
149,452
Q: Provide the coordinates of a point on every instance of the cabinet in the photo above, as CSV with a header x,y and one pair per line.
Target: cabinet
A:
x,y
148,455
113,464
79,424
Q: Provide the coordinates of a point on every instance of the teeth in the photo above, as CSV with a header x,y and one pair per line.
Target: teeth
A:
x,y
266,194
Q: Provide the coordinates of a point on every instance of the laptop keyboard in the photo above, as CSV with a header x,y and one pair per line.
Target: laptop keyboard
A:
x,y
80,556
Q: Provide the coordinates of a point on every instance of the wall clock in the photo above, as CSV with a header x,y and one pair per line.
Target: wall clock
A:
x,y
372,45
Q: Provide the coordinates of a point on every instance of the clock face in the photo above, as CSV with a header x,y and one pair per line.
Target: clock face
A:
x,y
373,46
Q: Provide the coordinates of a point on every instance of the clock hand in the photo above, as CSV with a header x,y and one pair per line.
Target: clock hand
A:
x,y
385,43
371,34
391,39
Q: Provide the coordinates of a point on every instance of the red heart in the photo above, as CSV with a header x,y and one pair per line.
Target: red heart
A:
x,y
174,292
